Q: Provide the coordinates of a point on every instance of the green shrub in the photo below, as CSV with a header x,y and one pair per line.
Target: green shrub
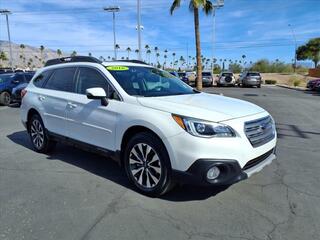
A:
x,y
270,81
296,83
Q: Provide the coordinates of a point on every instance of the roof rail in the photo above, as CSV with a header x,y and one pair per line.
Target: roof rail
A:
x,y
133,61
72,59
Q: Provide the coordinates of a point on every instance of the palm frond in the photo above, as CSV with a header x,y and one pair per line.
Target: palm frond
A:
x,y
175,4
208,7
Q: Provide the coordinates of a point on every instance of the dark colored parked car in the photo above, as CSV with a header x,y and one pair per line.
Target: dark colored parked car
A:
x,y
249,79
8,81
312,84
183,77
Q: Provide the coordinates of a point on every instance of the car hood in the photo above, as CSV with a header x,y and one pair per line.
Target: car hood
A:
x,y
204,106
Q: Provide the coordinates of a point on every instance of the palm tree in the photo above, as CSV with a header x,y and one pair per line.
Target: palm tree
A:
x,y
128,50
147,47
117,48
90,54
22,47
173,57
41,52
165,60
157,55
156,51
137,52
73,54
148,53
194,5
59,52
3,57
243,57
109,58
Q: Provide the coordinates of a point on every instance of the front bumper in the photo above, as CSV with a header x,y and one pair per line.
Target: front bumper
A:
x,y
230,170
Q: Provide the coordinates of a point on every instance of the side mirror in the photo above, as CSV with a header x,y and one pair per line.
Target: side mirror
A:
x,y
97,93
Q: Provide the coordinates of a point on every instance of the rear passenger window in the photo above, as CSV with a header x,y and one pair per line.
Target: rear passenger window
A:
x,y
61,80
40,79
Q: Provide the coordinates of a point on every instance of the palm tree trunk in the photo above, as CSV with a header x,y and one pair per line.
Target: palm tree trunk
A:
x,y
198,48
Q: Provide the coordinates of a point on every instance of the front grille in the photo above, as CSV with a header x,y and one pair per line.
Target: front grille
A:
x,y
259,131
257,160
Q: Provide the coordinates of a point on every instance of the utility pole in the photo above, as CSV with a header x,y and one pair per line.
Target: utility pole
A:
x,y
295,47
113,9
139,28
219,4
6,13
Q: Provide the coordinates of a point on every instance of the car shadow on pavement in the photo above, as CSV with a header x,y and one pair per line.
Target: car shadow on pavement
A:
x,y
313,93
110,170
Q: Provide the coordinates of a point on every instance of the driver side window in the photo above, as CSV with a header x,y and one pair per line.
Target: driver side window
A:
x,y
91,78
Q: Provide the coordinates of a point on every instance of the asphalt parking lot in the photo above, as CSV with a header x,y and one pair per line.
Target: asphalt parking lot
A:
x,y
73,194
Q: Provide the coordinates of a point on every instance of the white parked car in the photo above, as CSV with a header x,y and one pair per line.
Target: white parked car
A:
x,y
157,127
226,79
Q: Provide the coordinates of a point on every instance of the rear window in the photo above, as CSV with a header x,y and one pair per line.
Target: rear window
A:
x,y
41,78
207,74
227,74
62,80
253,74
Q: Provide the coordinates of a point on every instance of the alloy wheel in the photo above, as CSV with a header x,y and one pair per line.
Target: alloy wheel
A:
x,y
37,133
145,165
7,98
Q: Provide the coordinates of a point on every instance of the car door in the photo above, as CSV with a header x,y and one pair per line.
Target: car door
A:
x,y
54,96
87,120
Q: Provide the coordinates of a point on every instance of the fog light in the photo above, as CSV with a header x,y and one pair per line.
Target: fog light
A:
x,y
213,173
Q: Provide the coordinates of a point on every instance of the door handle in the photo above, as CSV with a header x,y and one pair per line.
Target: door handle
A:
x,y
72,105
41,98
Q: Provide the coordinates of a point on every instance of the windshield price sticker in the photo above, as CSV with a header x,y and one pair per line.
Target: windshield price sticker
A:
x,y
117,68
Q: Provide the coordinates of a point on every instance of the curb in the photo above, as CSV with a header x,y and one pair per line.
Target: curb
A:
x,y
293,88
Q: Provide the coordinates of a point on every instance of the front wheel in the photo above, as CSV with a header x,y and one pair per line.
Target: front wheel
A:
x,y
148,165
39,136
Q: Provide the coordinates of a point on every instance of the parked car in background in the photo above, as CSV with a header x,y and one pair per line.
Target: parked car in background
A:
x,y
191,77
317,86
250,79
183,77
207,78
16,91
174,73
312,84
226,79
8,81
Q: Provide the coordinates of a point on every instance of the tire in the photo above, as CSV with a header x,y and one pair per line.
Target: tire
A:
x,y
259,86
147,164
5,98
39,136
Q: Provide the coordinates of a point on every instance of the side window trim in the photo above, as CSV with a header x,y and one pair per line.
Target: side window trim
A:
x,y
45,81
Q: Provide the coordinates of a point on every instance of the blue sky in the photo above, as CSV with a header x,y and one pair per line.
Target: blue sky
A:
x,y
256,28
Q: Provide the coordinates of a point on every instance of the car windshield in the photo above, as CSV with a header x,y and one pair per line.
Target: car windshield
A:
x,y
148,82
227,74
6,77
254,74
206,74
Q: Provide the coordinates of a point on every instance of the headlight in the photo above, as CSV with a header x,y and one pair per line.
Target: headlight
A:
x,y
200,128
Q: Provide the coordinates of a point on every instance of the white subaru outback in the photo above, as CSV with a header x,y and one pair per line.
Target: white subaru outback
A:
x,y
161,130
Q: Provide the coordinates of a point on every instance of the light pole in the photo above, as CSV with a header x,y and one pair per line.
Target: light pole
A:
x,y
113,9
295,47
139,28
219,4
6,13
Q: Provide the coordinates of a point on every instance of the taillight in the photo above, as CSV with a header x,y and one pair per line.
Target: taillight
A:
x,y
23,93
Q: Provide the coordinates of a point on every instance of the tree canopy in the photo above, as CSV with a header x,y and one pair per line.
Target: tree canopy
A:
x,y
310,51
